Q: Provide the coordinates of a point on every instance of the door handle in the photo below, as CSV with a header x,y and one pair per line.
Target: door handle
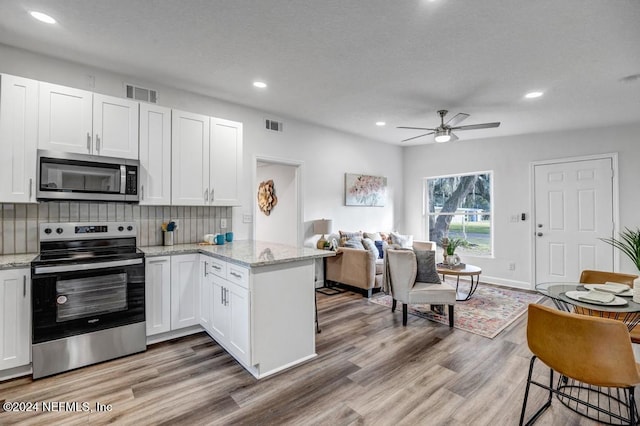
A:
x,y
24,286
205,269
539,234
89,142
222,295
30,187
97,143
212,195
226,297
206,194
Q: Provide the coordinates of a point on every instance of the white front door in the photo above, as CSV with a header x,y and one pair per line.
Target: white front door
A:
x,y
573,210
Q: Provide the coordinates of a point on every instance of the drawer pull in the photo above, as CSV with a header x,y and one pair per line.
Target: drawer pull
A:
x,y
235,275
216,267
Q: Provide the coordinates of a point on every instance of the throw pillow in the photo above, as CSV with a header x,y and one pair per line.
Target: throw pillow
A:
x,y
381,246
371,246
375,236
350,235
427,272
355,243
404,241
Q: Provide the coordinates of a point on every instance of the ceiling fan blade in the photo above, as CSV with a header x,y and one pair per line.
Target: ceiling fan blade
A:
x,y
458,118
477,126
416,137
414,128
453,137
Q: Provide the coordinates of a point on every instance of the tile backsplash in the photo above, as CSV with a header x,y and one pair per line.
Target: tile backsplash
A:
x,y
19,222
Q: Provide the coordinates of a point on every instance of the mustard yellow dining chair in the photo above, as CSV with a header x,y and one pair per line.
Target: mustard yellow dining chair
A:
x,y
589,276
595,361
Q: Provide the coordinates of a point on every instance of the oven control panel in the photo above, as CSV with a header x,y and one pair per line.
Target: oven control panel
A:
x,y
86,230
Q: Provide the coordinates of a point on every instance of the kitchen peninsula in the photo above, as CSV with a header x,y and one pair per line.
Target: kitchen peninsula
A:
x,y
255,298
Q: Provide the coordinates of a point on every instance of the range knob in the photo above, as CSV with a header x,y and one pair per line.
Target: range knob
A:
x,y
59,230
47,231
129,228
121,228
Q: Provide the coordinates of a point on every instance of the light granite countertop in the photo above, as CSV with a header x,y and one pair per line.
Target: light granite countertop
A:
x,y
248,253
16,261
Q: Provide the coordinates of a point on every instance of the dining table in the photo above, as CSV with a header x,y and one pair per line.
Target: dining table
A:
x,y
623,308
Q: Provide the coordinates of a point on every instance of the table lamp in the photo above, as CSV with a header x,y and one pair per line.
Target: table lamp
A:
x,y
322,226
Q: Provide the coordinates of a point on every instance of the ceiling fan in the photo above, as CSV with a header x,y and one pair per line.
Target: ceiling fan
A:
x,y
443,131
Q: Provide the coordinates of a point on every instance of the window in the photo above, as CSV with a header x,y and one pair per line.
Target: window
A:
x,y
459,206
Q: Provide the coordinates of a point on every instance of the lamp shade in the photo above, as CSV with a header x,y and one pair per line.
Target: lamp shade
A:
x,y
322,226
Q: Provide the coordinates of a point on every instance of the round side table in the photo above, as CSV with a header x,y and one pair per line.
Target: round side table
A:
x,y
473,272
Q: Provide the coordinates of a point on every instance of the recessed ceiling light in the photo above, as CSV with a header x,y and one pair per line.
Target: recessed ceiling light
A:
x,y
42,17
260,84
532,95
380,123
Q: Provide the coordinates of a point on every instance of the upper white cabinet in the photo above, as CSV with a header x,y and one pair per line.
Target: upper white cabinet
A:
x,y
225,170
206,160
189,159
15,321
18,138
74,120
155,155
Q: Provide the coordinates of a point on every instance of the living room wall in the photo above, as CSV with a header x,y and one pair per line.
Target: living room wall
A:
x,y
326,154
510,160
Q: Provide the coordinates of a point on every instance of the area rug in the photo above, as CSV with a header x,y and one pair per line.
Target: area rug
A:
x,y
490,310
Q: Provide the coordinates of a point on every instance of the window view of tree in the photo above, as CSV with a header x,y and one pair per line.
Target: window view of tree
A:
x,y
460,207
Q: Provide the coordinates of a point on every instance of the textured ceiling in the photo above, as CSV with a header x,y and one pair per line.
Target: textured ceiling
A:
x,y
349,63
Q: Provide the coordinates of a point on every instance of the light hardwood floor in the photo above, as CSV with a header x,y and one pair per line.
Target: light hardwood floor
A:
x,y
369,370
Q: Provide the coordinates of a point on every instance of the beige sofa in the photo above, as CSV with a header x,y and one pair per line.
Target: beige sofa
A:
x,y
360,269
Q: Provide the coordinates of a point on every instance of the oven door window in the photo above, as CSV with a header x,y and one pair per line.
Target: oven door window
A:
x,y
74,176
90,296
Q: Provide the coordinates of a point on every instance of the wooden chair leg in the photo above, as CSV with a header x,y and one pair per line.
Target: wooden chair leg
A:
x,y
393,305
404,314
451,315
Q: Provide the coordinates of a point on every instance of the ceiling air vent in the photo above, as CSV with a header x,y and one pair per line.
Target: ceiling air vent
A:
x,y
142,94
276,126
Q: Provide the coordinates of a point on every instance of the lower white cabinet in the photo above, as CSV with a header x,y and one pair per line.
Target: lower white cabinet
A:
x,y
185,290
158,294
15,318
230,314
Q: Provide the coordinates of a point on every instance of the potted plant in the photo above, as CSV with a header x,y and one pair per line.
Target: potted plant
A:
x,y
628,243
450,245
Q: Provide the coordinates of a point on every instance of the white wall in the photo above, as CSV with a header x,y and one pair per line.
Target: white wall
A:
x,y
510,159
281,225
327,154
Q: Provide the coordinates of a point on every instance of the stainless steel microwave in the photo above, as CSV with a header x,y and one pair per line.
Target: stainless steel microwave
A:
x,y
66,176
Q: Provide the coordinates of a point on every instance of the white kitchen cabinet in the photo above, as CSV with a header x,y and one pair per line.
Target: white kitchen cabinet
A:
x,y
15,318
155,155
206,293
230,321
189,159
115,127
79,121
18,138
225,171
185,290
206,160
158,294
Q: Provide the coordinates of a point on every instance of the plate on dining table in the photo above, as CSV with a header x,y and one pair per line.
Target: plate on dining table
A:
x,y
576,295
628,292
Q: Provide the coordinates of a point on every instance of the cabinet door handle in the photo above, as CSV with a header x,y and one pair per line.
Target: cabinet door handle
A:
x,y
97,143
206,194
142,192
222,295
24,286
30,187
212,195
205,269
89,142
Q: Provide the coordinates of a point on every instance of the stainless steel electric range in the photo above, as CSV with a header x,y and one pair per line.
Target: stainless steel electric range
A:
x,y
87,295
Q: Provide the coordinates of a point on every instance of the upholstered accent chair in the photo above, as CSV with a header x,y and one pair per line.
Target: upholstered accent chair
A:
x,y
595,362
402,270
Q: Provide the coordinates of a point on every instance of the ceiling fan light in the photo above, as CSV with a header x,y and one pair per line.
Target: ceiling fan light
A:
x,y
443,135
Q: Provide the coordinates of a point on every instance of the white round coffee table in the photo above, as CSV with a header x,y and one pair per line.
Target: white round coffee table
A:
x,y
473,272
